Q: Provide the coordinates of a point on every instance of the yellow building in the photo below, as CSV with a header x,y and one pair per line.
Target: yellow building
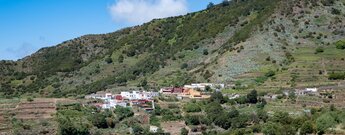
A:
x,y
191,93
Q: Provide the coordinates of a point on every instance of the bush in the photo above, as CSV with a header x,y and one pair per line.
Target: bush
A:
x,y
123,112
121,58
184,131
108,60
252,97
29,99
319,50
340,44
99,120
336,76
184,66
335,11
270,73
307,128
191,107
324,122
205,52
192,120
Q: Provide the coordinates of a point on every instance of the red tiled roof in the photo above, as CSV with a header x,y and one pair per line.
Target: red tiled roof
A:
x,y
118,97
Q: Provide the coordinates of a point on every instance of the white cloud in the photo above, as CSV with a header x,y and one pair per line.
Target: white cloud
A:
x,y
141,11
21,51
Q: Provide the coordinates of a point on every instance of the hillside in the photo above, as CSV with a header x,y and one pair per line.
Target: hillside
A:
x,y
261,44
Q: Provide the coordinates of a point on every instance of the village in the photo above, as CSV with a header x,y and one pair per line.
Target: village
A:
x,y
197,91
145,99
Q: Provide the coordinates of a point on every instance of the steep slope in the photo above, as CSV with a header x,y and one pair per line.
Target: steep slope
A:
x,y
238,41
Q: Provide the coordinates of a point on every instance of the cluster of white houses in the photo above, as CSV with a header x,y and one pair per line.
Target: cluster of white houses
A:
x,y
141,98
125,99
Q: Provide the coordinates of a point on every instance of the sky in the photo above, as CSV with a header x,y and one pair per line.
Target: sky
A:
x,y
28,25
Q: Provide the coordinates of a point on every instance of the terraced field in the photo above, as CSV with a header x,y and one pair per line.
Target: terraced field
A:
x,y
29,117
6,106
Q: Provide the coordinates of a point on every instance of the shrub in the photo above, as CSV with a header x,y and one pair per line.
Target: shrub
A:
x,y
184,131
324,122
192,120
335,11
340,44
191,107
121,58
319,50
29,99
336,76
252,97
205,52
108,60
270,73
184,66
307,128
123,112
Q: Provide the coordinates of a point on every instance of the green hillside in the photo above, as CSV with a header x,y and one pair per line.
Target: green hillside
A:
x,y
239,43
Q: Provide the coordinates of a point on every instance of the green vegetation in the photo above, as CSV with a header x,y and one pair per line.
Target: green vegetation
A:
x,y
337,76
340,44
122,112
192,107
109,60
319,50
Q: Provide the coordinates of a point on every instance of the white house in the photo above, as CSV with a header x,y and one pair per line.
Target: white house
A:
x,y
202,86
137,95
153,129
311,90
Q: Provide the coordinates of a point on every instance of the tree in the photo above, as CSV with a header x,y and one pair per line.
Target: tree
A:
x,y
217,97
67,127
262,115
225,3
233,113
281,117
252,97
307,128
324,122
192,107
192,120
213,110
208,88
137,129
143,83
109,60
271,129
223,121
123,112
99,121
184,131
292,95
210,5
332,108
240,121
120,59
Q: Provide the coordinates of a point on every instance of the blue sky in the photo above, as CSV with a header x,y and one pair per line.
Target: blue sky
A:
x,y
27,25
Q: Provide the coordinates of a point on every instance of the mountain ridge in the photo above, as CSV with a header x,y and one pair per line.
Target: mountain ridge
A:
x,y
238,42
